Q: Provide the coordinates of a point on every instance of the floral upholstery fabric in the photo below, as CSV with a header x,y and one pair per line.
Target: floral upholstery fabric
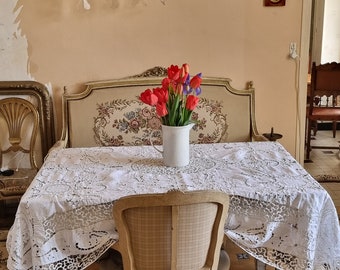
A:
x,y
130,122
109,113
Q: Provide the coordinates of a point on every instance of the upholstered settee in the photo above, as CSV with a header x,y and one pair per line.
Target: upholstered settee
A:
x,y
109,113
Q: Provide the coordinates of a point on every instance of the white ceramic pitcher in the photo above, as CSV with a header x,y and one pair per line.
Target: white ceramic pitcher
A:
x,y
176,145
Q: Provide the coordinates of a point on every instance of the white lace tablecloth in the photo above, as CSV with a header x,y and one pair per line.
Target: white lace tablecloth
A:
x,y
278,212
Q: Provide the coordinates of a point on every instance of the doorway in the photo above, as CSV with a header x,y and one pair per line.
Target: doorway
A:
x,y
325,48
325,31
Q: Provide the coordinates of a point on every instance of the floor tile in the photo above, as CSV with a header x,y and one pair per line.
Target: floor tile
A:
x,y
326,162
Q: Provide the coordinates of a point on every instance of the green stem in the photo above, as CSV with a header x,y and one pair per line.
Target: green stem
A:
x,y
174,111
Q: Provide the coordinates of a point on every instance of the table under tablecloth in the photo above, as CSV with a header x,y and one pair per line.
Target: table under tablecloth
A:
x,y
278,212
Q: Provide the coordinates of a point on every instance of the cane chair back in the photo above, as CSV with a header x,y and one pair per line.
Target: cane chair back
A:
x,y
19,124
15,111
174,230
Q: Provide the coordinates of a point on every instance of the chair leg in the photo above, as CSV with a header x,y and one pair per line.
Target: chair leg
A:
x,y
224,262
314,127
334,129
308,138
2,208
260,265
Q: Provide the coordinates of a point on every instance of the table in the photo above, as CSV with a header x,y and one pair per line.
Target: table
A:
x,y
278,212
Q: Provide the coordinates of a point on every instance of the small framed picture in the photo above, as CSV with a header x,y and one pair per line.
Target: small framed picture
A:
x,y
274,3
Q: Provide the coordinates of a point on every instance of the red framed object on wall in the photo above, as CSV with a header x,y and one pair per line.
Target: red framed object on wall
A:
x,y
274,3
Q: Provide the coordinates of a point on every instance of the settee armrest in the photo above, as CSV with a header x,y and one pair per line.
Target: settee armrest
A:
x,y
60,144
259,138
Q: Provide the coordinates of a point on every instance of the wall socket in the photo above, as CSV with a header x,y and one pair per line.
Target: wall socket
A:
x,y
293,50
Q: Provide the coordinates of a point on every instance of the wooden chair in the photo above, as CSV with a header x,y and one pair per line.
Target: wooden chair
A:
x,y
323,105
12,187
174,230
19,123
39,96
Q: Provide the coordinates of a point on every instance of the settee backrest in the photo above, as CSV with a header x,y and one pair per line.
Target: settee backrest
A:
x,y
109,113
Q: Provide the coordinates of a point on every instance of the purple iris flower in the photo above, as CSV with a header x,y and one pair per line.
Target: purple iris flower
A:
x,y
198,90
186,86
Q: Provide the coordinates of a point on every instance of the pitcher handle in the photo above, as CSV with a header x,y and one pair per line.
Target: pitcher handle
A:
x,y
150,139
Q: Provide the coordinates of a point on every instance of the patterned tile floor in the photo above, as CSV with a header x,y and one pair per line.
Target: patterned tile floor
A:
x,y
326,162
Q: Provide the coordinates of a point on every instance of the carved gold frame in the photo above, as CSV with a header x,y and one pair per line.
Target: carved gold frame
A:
x,y
45,107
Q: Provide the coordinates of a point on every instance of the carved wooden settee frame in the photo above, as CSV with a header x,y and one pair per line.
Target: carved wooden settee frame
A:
x,y
109,113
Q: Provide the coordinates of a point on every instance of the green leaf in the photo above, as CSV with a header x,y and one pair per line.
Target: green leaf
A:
x,y
174,110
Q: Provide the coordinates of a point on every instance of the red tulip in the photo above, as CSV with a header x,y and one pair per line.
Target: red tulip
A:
x,y
161,109
186,68
195,82
183,74
179,89
165,83
173,72
192,102
148,97
177,97
169,85
162,94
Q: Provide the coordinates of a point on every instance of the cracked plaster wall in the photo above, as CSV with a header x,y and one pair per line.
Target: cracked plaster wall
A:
x,y
13,44
70,42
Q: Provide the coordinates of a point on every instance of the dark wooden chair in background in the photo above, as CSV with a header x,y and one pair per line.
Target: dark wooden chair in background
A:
x,y
323,102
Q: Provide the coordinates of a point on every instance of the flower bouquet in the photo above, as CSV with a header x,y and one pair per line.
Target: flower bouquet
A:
x,y
176,99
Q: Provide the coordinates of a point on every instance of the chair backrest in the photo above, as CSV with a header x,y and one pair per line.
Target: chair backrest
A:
x,y
37,94
174,230
22,121
325,86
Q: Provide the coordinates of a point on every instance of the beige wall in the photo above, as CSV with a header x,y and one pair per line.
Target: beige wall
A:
x,y
243,40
